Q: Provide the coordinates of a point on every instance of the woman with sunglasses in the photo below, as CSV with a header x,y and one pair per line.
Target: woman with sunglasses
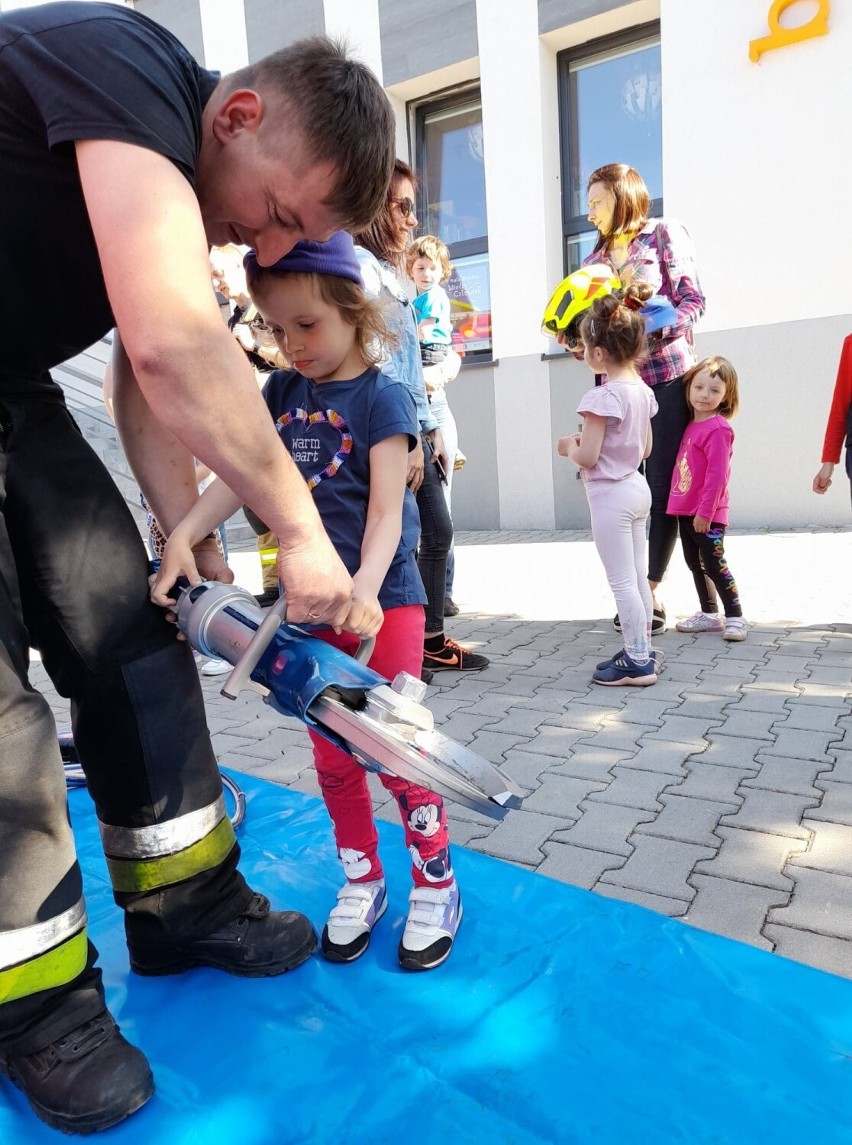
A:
x,y
656,253
381,252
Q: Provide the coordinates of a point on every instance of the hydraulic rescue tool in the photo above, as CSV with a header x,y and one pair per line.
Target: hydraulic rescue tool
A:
x,y
382,724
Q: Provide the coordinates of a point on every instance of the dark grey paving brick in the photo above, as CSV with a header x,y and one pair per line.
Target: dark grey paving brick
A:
x,y
835,695
777,773
560,795
555,741
842,770
836,805
731,751
604,827
631,788
757,857
830,849
660,867
800,744
618,735
576,865
752,725
773,812
668,758
709,708
754,699
495,746
821,902
687,820
525,769
588,761
674,907
833,675
520,720
710,781
831,954
463,725
810,718
737,910
519,837
463,833
677,728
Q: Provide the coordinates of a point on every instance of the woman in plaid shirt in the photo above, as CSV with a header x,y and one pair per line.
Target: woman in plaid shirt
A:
x,y
659,253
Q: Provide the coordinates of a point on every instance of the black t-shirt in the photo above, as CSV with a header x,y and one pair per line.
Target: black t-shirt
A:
x,y
72,71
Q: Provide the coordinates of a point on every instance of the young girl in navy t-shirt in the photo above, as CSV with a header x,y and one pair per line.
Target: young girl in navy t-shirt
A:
x,y
349,428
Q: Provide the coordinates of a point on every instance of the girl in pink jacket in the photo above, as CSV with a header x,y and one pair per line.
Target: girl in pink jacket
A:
x,y
699,496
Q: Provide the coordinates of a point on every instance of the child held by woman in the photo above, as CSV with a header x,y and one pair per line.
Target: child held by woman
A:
x,y
615,437
699,496
427,261
350,428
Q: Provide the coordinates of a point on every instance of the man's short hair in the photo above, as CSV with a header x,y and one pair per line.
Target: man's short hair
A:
x,y
343,115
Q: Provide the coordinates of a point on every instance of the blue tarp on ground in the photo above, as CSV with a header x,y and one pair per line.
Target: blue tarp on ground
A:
x,y
560,1017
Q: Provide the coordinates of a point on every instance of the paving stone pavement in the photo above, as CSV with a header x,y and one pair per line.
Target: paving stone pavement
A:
x,y
721,796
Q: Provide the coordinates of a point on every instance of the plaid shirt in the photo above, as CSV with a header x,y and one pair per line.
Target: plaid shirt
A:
x,y
662,256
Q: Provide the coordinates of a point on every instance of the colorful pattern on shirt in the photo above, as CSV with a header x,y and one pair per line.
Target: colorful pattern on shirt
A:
x,y
662,257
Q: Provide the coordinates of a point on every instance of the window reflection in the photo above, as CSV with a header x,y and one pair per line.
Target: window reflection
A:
x,y
611,108
470,304
454,173
451,205
615,103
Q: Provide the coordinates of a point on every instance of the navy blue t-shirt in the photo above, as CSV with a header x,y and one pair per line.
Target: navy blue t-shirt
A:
x,y
329,429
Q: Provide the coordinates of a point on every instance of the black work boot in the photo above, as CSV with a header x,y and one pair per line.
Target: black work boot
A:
x,y
257,944
89,1079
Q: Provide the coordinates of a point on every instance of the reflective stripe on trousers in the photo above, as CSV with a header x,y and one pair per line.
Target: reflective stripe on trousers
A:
x,y
147,858
44,955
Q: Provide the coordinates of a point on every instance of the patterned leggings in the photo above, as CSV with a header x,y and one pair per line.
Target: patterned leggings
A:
x,y
399,647
705,553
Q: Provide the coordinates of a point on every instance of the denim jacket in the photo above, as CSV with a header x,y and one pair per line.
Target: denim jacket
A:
x,y
403,362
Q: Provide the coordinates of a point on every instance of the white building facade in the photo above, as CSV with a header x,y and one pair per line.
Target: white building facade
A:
x,y
503,109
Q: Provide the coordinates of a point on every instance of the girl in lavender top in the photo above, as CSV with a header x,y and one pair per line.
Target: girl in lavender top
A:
x,y
657,253
615,437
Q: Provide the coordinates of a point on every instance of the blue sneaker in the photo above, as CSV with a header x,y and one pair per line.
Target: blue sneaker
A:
x,y
434,914
346,935
622,670
656,655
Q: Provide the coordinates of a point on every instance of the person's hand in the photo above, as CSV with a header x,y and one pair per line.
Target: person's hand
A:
x,y
202,562
576,351
700,524
823,478
568,446
209,562
439,450
414,476
315,582
365,614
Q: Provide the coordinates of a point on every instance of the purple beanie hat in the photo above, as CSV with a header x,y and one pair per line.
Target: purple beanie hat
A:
x,y
336,257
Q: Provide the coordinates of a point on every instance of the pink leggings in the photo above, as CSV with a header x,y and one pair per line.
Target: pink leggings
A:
x,y
619,511
399,647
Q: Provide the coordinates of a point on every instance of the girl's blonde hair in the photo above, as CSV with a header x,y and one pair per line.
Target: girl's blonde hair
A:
x,y
614,323
373,335
428,246
717,368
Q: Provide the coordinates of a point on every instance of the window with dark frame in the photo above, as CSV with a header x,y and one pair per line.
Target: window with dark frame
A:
x,y
449,162
610,111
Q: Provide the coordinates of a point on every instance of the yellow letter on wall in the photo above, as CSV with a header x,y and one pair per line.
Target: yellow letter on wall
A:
x,y
780,37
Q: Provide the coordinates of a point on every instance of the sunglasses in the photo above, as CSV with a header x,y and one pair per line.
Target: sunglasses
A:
x,y
406,206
